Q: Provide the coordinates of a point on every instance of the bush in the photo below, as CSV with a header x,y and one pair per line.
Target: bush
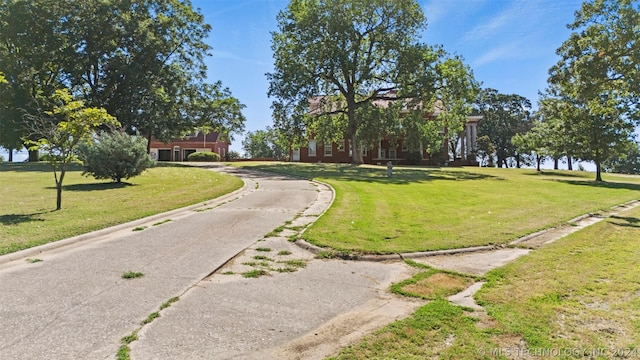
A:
x,y
203,156
115,156
233,155
414,158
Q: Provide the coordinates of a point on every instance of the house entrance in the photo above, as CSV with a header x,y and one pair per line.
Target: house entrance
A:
x,y
296,155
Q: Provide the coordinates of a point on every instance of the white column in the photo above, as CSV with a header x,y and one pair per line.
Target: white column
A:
x,y
469,143
474,136
463,152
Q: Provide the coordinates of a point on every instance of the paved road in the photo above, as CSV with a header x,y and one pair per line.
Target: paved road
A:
x,y
75,305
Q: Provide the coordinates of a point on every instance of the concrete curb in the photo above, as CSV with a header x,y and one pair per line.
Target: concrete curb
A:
x,y
131,224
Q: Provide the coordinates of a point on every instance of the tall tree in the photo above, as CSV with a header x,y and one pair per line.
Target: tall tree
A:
x,y
347,56
32,56
504,116
140,60
599,76
263,144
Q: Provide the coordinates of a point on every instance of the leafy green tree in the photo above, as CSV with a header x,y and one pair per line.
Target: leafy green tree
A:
x,y
263,144
60,130
348,56
598,78
537,141
115,155
628,163
140,60
289,124
504,116
32,56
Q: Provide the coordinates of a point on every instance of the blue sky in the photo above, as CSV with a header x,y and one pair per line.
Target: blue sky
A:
x,y
509,44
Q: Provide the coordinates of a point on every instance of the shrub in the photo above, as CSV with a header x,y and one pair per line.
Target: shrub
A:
x,y
414,158
233,155
115,156
203,156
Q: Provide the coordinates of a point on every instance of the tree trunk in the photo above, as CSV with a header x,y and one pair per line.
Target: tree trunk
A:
x,y
149,142
58,196
356,154
569,163
555,164
518,161
10,155
538,161
34,156
598,171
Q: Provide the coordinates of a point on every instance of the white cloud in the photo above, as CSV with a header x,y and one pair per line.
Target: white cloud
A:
x,y
509,51
228,55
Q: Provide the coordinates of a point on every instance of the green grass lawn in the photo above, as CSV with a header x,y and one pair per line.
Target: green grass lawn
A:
x,y
27,210
578,297
422,209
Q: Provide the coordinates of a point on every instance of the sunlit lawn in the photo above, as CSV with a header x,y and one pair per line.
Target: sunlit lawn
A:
x,y
441,208
28,199
575,298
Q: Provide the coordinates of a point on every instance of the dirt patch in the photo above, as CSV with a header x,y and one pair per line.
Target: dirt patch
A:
x,y
439,284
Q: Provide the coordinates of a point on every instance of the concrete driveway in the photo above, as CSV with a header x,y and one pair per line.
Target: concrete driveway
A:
x,y
74,303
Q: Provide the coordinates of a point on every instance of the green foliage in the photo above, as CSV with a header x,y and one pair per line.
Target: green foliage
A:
x,y
141,60
347,57
132,275
115,155
503,116
233,155
263,144
414,157
596,80
59,131
627,163
203,156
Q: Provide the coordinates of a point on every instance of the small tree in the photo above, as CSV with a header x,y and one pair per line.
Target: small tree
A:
x,y
115,155
59,131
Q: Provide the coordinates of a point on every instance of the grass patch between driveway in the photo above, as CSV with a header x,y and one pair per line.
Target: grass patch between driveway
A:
x,y
423,209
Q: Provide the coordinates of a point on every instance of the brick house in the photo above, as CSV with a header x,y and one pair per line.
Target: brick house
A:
x,y
179,149
385,150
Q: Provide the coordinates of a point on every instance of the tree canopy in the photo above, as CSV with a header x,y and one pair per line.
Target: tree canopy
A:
x,y
59,130
345,57
504,116
597,79
141,60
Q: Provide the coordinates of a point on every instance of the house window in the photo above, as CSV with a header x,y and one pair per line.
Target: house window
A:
x,y
312,148
328,151
383,154
392,153
341,145
404,146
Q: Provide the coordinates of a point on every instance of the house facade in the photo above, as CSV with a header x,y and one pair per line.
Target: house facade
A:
x,y
394,151
179,149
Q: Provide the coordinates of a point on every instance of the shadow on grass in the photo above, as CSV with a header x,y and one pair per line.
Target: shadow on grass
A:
x,y
554,173
629,221
601,184
96,186
34,167
15,219
343,172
